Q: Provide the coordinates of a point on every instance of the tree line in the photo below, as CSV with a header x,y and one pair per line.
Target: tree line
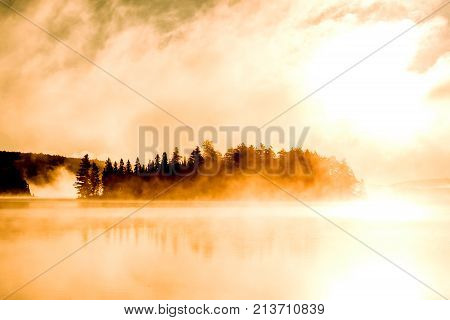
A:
x,y
19,170
206,173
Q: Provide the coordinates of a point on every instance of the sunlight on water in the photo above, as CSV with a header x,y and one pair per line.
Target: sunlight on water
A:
x,y
374,279
224,250
385,209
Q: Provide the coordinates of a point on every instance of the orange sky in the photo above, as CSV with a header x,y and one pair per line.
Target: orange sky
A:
x,y
232,63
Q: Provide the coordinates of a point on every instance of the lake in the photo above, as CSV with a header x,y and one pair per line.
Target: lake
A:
x,y
219,250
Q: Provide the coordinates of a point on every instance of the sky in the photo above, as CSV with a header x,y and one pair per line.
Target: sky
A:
x,y
231,63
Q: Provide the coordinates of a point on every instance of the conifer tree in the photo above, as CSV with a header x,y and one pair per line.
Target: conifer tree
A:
x,y
94,180
121,167
157,165
82,183
107,173
129,169
175,162
108,169
164,164
195,159
150,166
137,167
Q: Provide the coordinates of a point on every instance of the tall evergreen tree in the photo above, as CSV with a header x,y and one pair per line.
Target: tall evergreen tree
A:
x,y
195,159
164,164
129,168
115,168
107,176
108,169
94,180
137,167
157,166
82,183
121,168
150,167
175,162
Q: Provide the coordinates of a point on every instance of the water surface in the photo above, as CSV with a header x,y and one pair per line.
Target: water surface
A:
x,y
223,250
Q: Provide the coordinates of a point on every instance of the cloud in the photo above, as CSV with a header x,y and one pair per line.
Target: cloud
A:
x,y
211,62
434,44
441,92
360,11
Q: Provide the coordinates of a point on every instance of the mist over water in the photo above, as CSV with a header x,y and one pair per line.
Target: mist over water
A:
x,y
60,186
226,250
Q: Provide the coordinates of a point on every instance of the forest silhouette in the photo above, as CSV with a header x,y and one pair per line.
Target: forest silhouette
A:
x,y
208,175
18,170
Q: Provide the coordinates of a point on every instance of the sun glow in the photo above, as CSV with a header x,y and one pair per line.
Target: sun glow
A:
x,y
381,208
379,99
375,279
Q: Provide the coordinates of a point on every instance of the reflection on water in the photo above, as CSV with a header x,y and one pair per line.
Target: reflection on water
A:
x,y
219,250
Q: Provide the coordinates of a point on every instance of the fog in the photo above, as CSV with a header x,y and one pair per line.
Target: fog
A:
x,y
231,63
59,186
217,250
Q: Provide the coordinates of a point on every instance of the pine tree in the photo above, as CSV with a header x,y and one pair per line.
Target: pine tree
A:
x,y
108,169
195,159
137,167
82,183
157,165
129,169
164,164
115,168
107,174
175,162
151,167
121,168
94,181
